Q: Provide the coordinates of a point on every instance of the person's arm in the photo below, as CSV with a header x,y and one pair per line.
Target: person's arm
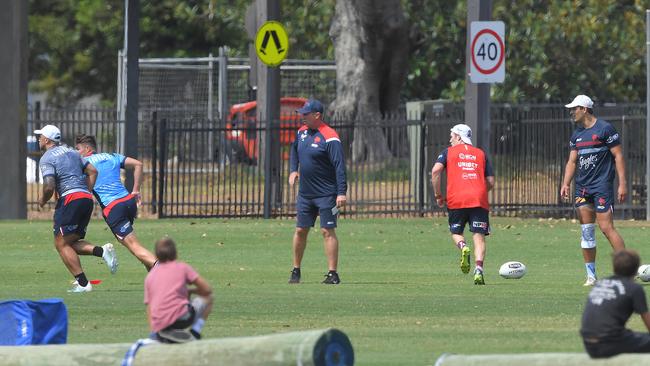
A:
x,y
490,182
91,176
436,171
293,162
617,152
136,165
201,287
335,151
569,172
49,186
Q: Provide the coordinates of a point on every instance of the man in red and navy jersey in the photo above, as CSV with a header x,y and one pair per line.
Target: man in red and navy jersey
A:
x,y
596,155
469,178
317,158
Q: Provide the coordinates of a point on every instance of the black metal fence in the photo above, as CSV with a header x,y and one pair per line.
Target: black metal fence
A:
x,y
213,169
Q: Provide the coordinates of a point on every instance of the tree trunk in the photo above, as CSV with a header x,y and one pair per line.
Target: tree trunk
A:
x,y
371,45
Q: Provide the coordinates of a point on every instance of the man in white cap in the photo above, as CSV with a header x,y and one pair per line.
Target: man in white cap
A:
x,y
595,153
469,178
65,173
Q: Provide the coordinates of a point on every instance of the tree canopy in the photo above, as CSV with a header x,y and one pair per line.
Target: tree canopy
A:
x,y
554,50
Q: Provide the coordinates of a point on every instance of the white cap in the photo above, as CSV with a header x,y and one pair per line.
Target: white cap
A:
x,y
464,131
50,131
581,101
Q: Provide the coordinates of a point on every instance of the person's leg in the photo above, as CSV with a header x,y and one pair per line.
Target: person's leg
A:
x,y
587,219
299,245
83,247
132,243
457,219
479,249
605,222
331,248
63,245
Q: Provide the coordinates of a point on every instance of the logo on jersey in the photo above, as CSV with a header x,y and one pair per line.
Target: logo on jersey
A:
x,y
316,139
303,136
467,156
469,176
612,138
594,137
588,162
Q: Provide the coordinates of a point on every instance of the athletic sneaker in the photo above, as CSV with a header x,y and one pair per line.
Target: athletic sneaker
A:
x,y
78,288
295,276
332,278
591,281
110,257
464,259
478,277
176,336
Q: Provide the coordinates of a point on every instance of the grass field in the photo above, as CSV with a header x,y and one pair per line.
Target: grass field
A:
x,y
402,301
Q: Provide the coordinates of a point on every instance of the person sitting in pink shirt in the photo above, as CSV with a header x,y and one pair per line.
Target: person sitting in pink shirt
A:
x,y
175,316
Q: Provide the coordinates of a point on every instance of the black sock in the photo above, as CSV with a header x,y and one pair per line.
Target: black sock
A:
x,y
98,252
81,279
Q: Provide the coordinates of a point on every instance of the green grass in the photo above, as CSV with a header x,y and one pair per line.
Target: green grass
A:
x,y
403,299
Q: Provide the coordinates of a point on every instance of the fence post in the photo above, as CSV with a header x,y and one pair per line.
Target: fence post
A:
x,y
422,168
154,160
162,145
223,104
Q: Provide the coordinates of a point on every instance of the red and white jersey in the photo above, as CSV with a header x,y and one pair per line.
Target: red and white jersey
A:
x,y
467,167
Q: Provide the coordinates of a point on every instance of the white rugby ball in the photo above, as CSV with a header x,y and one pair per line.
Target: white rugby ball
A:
x,y
512,270
644,272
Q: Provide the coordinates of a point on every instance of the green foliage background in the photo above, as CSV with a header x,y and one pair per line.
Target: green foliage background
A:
x,y
554,49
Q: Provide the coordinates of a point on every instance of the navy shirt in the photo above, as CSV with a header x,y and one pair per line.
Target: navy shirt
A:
x,y
595,165
318,156
610,304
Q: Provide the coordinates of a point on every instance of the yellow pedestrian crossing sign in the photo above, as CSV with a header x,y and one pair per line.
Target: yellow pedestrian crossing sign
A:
x,y
271,43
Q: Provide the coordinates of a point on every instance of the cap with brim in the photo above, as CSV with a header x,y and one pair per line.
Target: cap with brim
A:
x,y
49,131
311,106
580,101
464,131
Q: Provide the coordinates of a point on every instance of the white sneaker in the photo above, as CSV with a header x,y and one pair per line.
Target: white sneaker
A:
x,y
591,281
77,288
110,257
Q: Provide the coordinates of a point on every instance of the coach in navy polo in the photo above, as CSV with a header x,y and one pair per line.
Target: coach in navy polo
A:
x,y
317,160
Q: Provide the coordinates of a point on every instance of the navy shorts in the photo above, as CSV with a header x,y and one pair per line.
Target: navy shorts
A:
x,y
120,214
602,198
308,208
477,217
72,214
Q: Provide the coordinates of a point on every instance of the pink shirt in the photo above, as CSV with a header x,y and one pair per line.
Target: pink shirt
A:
x,y
166,293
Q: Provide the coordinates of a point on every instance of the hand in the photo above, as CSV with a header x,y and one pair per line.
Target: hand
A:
x,y
564,192
440,201
138,197
341,200
292,178
622,193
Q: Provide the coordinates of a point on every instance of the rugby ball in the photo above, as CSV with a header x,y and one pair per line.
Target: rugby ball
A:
x,y
513,270
644,272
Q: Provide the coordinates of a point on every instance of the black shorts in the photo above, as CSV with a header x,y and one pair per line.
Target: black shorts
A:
x,y
477,217
72,214
120,214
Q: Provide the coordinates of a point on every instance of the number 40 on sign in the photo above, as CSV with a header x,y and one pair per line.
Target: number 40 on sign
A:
x,y
488,52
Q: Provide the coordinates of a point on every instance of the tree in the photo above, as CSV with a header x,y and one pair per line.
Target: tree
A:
x,y
372,47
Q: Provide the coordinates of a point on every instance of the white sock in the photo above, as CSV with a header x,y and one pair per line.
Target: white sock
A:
x,y
198,325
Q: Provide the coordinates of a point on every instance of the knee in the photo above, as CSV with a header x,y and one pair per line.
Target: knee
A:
x,y
328,233
302,232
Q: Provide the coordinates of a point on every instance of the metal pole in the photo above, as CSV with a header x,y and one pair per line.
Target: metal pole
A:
x,y
223,102
210,122
647,116
132,39
477,96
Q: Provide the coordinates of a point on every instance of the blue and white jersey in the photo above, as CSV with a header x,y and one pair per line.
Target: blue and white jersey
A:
x,y
67,167
595,165
108,186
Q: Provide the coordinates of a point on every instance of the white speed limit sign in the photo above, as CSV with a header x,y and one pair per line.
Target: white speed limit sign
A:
x,y
488,50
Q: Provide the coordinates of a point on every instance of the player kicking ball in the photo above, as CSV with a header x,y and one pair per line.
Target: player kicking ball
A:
x,y
119,207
